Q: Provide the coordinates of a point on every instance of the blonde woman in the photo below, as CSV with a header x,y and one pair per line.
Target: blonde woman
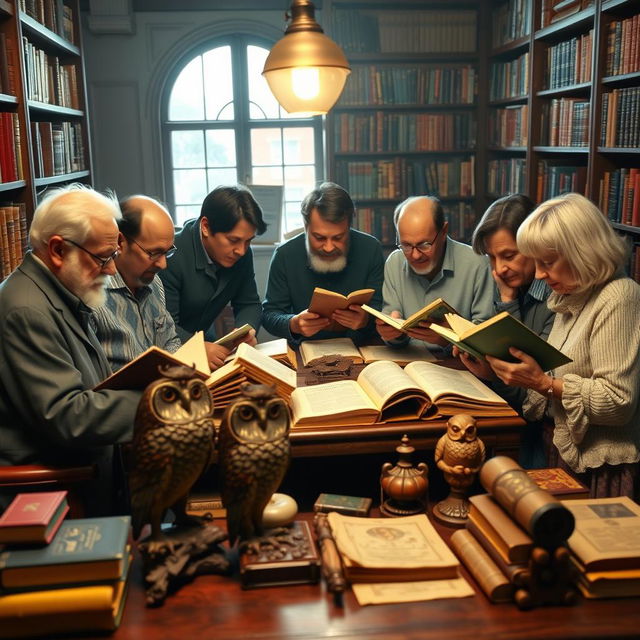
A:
x,y
592,403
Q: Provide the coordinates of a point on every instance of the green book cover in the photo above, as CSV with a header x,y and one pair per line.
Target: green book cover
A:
x,y
82,550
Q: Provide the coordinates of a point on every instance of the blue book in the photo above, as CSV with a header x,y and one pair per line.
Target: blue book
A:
x,y
84,550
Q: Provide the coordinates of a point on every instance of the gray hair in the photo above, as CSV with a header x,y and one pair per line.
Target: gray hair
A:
x,y
68,212
574,228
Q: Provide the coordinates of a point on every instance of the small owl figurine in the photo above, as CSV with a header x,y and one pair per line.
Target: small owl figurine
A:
x,y
459,454
253,448
172,446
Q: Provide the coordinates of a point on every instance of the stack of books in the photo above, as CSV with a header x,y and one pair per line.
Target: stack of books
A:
x,y
605,546
60,576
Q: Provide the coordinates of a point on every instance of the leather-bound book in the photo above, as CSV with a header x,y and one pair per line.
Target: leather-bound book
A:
x,y
544,517
559,483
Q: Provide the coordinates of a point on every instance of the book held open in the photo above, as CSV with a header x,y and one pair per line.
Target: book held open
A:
x,y
325,302
433,312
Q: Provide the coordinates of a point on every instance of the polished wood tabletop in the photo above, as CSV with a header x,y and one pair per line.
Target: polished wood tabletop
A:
x,y
217,607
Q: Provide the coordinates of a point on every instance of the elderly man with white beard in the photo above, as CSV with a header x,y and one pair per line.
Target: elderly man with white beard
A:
x,y
50,358
331,255
429,265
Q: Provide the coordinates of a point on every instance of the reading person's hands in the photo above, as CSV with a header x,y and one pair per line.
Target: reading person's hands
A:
x,y
524,373
480,368
355,317
249,338
386,331
216,354
307,323
507,293
422,331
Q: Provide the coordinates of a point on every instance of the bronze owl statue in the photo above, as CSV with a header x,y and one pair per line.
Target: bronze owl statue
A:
x,y
172,445
253,456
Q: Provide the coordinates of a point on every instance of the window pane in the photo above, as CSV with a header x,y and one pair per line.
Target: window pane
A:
x,y
292,216
187,149
298,145
186,101
218,177
190,186
267,175
266,146
186,213
262,103
221,148
218,83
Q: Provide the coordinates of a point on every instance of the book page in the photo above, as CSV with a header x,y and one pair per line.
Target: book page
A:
x,y
458,323
396,323
434,311
231,337
384,379
256,360
273,348
312,349
192,352
438,381
391,592
399,355
332,398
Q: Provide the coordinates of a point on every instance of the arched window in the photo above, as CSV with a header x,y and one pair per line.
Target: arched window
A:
x,y
222,125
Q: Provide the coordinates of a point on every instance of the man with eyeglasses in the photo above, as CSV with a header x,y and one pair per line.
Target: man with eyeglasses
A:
x,y
428,265
50,357
213,267
135,315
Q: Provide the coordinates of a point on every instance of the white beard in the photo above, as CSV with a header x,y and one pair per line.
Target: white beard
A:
x,y
93,292
322,265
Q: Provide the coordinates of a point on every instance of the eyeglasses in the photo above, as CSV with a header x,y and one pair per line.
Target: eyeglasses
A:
x,y
103,262
156,255
422,247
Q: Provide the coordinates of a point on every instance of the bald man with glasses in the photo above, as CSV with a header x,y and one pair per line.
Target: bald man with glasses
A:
x,y
50,357
134,316
428,265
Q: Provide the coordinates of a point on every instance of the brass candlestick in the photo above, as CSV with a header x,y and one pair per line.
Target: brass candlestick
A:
x,y
405,485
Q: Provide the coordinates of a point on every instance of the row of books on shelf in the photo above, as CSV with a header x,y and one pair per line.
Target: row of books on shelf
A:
x,y
620,116
565,122
58,148
10,148
48,80
424,31
623,46
421,84
506,175
13,237
552,11
509,79
510,21
383,132
620,196
389,179
508,126
554,179
72,576
56,15
7,66
569,62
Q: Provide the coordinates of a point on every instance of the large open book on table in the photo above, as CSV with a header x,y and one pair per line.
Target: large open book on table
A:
x,y
325,302
384,392
311,349
433,312
144,369
494,336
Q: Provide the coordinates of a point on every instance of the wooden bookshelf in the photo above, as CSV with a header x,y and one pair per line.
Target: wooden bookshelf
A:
x,y
46,99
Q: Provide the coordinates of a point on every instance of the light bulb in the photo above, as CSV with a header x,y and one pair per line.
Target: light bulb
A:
x,y
305,82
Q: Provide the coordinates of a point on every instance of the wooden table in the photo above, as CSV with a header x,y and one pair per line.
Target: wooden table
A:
x,y
216,607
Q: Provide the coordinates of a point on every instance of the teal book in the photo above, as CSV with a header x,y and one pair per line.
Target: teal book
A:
x,y
82,551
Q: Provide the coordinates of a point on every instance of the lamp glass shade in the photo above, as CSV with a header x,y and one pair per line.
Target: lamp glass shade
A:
x,y
306,72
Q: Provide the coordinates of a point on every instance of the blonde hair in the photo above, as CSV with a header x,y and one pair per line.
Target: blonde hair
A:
x,y
574,228
69,212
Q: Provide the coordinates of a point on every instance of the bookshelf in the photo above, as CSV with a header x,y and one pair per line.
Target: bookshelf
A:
x,y
44,125
406,123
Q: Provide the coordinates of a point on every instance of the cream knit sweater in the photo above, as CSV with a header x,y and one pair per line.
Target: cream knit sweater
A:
x,y
597,420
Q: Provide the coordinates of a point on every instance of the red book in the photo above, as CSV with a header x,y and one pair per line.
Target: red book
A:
x,y
33,518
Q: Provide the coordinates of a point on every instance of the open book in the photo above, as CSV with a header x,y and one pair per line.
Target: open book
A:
x,y
494,336
434,312
278,349
143,370
325,302
312,349
384,392
233,336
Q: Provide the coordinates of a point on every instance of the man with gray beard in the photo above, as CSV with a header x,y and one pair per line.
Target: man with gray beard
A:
x,y
50,358
429,265
331,255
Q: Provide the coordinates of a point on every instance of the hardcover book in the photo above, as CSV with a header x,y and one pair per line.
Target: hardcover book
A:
x,y
33,518
433,312
494,336
83,550
607,533
229,340
559,483
347,505
325,302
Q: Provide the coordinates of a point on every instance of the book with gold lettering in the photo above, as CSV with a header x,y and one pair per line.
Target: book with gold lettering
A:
x,y
325,302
